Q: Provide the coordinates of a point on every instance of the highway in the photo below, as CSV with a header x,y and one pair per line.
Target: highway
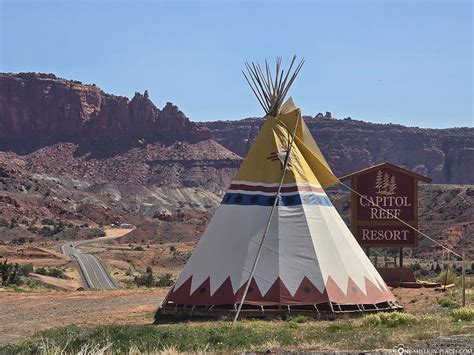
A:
x,y
93,273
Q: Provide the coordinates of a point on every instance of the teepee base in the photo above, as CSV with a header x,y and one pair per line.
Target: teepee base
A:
x,y
175,312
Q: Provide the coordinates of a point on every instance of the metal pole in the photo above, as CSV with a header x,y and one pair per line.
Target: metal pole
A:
x,y
401,257
267,227
463,280
447,272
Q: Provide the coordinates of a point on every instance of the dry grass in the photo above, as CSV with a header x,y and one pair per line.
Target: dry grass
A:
x,y
379,331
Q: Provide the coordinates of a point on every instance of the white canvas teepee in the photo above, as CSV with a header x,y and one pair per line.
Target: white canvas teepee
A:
x,y
276,239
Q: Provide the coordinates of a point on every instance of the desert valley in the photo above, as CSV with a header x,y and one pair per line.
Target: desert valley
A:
x,y
77,163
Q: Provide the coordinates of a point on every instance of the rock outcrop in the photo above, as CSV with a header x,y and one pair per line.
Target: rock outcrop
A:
x,y
44,106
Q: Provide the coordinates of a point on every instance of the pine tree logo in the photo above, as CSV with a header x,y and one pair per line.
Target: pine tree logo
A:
x,y
385,184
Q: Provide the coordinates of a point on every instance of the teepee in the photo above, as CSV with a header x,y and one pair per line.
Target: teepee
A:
x,y
276,244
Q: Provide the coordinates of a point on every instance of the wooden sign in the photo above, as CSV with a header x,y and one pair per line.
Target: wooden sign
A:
x,y
385,192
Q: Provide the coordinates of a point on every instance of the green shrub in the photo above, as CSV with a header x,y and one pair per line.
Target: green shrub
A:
x,y
465,314
14,274
48,222
147,279
298,318
164,280
98,233
51,271
13,223
392,319
449,280
46,231
55,272
448,302
41,270
19,241
340,327
26,269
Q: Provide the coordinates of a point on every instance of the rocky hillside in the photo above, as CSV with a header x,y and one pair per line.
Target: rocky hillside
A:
x,y
445,155
41,110
165,214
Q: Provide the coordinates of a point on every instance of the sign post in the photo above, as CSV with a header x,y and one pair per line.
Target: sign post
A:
x,y
463,280
383,196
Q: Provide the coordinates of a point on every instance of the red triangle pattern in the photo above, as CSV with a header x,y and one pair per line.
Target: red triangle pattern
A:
x,y
278,294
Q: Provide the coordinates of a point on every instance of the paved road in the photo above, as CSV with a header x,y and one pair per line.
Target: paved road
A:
x,y
93,273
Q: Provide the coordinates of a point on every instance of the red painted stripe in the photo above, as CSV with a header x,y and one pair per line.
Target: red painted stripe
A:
x,y
294,188
307,294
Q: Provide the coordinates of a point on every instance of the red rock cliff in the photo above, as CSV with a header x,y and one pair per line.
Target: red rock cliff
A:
x,y
44,106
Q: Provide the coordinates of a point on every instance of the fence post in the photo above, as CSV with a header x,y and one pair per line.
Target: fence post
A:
x,y
463,280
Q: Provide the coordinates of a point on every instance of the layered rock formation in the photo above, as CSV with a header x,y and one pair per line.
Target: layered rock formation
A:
x,y
36,106
41,107
445,155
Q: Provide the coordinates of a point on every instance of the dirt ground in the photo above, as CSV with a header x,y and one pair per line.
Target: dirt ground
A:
x,y
29,313
418,300
35,311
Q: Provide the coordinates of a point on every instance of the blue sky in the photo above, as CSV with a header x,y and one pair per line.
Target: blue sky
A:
x,y
408,62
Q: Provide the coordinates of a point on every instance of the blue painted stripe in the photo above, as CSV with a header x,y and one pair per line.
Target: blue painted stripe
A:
x,y
232,198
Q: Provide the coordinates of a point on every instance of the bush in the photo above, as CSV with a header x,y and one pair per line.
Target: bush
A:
x,y
13,223
464,314
340,327
390,320
147,279
416,266
298,318
97,233
46,231
41,270
449,280
138,248
448,302
4,222
26,269
48,221
164,280
55,272
19,241
10,274
51,271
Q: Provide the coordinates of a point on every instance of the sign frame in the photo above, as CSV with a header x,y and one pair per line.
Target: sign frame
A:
x,y
356,222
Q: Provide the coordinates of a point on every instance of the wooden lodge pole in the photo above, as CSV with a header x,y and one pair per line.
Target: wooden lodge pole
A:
x,y
401,257
463,279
